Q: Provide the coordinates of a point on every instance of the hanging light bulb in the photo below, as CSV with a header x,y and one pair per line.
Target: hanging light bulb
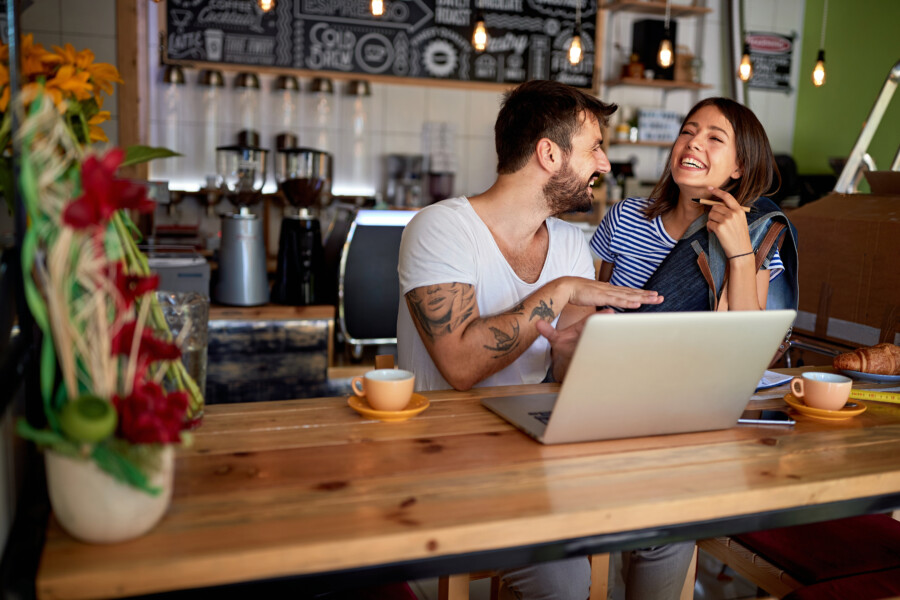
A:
x,y
745,70
266,5
666,57
575,49
377,7
818,74
480,36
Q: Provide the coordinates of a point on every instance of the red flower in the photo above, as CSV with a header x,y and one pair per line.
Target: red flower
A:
x,y
150,348
103,194
149,415
132,287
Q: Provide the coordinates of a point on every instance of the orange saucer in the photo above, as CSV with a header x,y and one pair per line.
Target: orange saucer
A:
x,y
851,409
417,404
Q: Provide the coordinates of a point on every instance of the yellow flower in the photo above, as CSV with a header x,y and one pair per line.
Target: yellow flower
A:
x,y
101,74
96,133
4,80
35,58
69,80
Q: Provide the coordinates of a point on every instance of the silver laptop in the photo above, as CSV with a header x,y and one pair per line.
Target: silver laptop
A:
x,y
638,374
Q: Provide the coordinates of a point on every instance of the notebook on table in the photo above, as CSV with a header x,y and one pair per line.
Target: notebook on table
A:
x,y
638,374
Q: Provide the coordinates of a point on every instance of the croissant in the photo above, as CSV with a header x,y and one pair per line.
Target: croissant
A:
x,y
883,359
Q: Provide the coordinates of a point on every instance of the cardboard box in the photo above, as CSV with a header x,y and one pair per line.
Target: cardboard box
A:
x,y
849,244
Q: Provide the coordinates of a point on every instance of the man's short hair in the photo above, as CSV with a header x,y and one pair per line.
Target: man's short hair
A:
x,y
541,109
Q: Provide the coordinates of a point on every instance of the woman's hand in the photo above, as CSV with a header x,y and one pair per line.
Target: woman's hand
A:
x,y
729,222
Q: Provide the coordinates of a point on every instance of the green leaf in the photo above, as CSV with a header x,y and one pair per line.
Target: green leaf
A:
x,y
140,154
48,374
123,463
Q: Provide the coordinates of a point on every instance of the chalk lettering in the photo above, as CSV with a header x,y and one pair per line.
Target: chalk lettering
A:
x,y
451,16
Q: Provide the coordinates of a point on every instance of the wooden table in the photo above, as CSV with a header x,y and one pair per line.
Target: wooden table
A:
x,y
309,488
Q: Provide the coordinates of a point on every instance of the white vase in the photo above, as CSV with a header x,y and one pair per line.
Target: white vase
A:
x,y
95,507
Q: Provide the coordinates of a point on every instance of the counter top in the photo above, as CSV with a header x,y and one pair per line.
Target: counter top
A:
x,y
270,312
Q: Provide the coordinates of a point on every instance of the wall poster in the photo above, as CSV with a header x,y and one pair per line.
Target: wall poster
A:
x,y
771,55
427,39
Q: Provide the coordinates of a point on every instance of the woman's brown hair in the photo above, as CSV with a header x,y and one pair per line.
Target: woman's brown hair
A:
x,y
754,157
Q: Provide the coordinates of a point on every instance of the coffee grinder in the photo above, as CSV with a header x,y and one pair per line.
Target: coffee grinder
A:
x,y
242,256
304,176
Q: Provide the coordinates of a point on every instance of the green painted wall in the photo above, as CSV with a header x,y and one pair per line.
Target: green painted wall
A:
x,y
862,43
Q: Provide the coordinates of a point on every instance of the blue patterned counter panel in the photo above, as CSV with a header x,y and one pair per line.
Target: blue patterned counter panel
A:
x,y
254,361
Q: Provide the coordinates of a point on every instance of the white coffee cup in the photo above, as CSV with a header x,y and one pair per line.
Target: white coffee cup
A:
x,y
385,389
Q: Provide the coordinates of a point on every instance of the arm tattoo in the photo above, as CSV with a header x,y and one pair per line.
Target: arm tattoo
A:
x,y
543,312
518,309
506,342
440,309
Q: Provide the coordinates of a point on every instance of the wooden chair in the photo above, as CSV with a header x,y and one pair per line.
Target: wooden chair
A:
x,y
456,587
787,560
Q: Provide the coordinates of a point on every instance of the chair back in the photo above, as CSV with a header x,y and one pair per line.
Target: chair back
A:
x,y
369,287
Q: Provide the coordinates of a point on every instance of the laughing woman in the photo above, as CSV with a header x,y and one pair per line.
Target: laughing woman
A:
x,y
702,256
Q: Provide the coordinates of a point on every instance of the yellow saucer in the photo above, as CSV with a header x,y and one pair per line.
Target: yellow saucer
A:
x,y
417,404
851,409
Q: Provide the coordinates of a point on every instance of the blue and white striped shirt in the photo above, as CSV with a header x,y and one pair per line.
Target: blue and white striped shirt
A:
x,y
636,246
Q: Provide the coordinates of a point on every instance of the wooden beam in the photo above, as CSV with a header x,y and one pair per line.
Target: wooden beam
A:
x,y
132,59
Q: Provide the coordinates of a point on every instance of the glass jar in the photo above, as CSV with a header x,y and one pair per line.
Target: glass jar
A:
x,y
246,96
187,315
356,167
322,115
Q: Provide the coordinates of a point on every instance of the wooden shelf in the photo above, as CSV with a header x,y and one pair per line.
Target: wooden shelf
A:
x,y
648,144
655,8
666,84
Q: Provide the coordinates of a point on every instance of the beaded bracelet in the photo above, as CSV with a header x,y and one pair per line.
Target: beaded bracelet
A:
x,y
740,255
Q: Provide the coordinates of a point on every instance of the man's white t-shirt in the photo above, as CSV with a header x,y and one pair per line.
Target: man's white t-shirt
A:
x,y
448,242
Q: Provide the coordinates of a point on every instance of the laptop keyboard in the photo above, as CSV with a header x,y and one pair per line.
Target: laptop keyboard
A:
x,y
541,415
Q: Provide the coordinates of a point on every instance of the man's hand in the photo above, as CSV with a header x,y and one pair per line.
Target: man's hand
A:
x,y
563,342
587,292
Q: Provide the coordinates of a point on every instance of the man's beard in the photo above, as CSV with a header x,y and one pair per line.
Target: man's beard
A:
x,y
564,192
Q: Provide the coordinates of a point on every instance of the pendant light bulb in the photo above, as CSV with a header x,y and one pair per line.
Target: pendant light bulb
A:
x,y
575,50
664,58
745,70
377,7
575,47
818,74
480,36
265,5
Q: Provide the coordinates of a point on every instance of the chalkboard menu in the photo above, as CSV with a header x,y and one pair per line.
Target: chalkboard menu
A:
x,y
770,54
429,39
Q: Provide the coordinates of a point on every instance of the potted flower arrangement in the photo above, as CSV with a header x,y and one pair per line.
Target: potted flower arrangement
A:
x,y
115,393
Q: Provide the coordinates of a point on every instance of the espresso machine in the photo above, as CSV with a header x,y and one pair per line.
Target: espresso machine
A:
x,y
304,177
242,256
